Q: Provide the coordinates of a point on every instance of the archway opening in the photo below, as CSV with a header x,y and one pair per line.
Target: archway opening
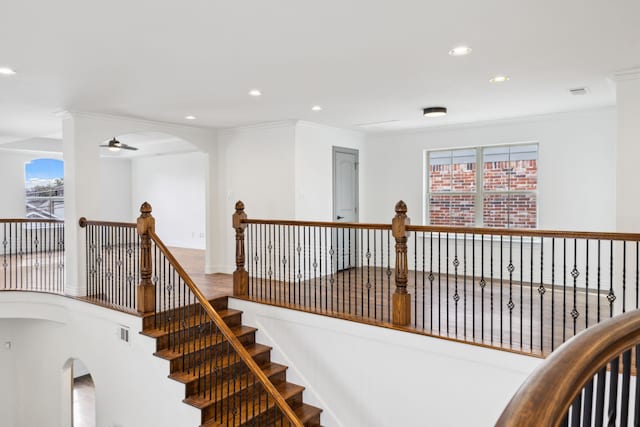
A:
x,y
83,396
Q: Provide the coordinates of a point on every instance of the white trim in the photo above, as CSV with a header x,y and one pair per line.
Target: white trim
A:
x,y
257,126
626,75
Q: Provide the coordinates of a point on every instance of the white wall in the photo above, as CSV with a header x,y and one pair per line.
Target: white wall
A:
x,y
314,168
577,166
46,331
628,151
115,189
369,376
256,165
174,185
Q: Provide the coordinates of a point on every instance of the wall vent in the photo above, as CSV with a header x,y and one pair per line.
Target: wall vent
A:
x,y
123,333
579,91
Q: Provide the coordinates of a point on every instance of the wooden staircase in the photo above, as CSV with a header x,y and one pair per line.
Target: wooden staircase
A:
x,y
187,354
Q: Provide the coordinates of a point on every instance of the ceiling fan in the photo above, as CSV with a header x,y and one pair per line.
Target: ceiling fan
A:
x,y
115,145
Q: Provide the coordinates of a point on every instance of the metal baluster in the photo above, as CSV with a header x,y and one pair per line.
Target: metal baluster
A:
x,y
611,296
464,282
626,379
491,329
624,276
586,286
447,281
564,289
439,284
456,263
521,285
587,408
600,388
575,410
612,412
415,279
510,304
531,295
598,283
553,291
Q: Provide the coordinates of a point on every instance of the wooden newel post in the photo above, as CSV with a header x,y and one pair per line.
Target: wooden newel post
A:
x,y
146,289
401,311
240,276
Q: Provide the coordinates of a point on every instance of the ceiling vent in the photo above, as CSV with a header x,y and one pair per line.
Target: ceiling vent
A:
x,y
579,91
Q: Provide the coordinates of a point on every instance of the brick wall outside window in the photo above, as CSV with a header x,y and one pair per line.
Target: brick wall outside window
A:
x,y
508,200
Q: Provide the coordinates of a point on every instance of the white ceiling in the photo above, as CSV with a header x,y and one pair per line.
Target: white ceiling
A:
x,y
364,61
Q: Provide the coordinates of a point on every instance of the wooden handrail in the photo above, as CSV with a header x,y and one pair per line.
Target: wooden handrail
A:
x,y
19,220
358,225
228,334
521,232
527,232
83,222
547,394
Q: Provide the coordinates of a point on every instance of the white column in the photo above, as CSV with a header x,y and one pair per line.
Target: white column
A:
x,y
81,197
628,151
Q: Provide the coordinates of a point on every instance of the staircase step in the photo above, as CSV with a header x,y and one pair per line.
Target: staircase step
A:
x,y
260,353
260,411
200,380
181,329
149,321
198,343
274,371
308,414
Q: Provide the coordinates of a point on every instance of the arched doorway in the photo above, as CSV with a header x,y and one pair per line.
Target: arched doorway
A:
x,y
82,394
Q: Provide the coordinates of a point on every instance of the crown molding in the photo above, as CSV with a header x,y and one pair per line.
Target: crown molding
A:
x,y
626,75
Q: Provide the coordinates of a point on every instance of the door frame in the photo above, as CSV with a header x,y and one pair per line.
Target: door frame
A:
x,y
345,150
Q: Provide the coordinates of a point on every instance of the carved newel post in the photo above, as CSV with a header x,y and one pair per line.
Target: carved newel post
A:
x,y
146,289
401,311
240,276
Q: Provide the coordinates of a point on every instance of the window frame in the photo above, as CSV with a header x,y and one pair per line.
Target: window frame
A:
x,y
479,184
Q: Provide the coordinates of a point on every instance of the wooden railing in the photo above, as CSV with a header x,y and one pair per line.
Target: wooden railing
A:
x,y
163,289
580,384
32,255
524,290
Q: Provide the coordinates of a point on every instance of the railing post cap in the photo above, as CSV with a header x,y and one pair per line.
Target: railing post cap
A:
x,y
145,208
82,222
239,205
401,207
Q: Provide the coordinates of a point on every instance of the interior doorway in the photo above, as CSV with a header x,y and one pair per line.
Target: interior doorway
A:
x,y
345,204
84,396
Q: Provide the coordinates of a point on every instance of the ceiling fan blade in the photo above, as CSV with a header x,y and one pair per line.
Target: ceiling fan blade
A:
x,y
128,147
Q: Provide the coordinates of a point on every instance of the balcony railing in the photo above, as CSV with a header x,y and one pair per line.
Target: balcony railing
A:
x,y
32,255
523,290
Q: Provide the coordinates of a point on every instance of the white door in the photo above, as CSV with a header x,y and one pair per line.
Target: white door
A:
x,y
345,205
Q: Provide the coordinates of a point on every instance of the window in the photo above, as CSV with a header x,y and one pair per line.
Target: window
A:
x,y
44,189
502,193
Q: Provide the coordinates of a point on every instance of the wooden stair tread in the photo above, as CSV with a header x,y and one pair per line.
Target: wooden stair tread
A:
x,y
306,412
246,413
195,344
191,321
270,369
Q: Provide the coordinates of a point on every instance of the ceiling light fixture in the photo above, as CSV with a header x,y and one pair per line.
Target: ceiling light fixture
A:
x,y
316,108
460,51
190,117
434,111
255,92
6,71
499,79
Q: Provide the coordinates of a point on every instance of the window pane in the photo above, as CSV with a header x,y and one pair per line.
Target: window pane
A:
x,y
513,168
455,210
510,210
452,170
464,171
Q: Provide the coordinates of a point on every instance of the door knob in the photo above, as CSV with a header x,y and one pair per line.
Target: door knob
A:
x,y
339,217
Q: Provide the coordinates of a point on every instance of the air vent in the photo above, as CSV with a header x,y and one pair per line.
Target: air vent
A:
x,y
579,91
123,333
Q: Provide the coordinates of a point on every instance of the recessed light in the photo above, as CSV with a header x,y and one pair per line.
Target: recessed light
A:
x,y
190,117
460,51
499,79
255,92
434,111
316,108
6,71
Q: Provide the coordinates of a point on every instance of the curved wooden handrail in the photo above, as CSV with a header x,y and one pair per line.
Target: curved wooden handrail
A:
x,y
547,394
229,335
317,224
19,220
83,222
